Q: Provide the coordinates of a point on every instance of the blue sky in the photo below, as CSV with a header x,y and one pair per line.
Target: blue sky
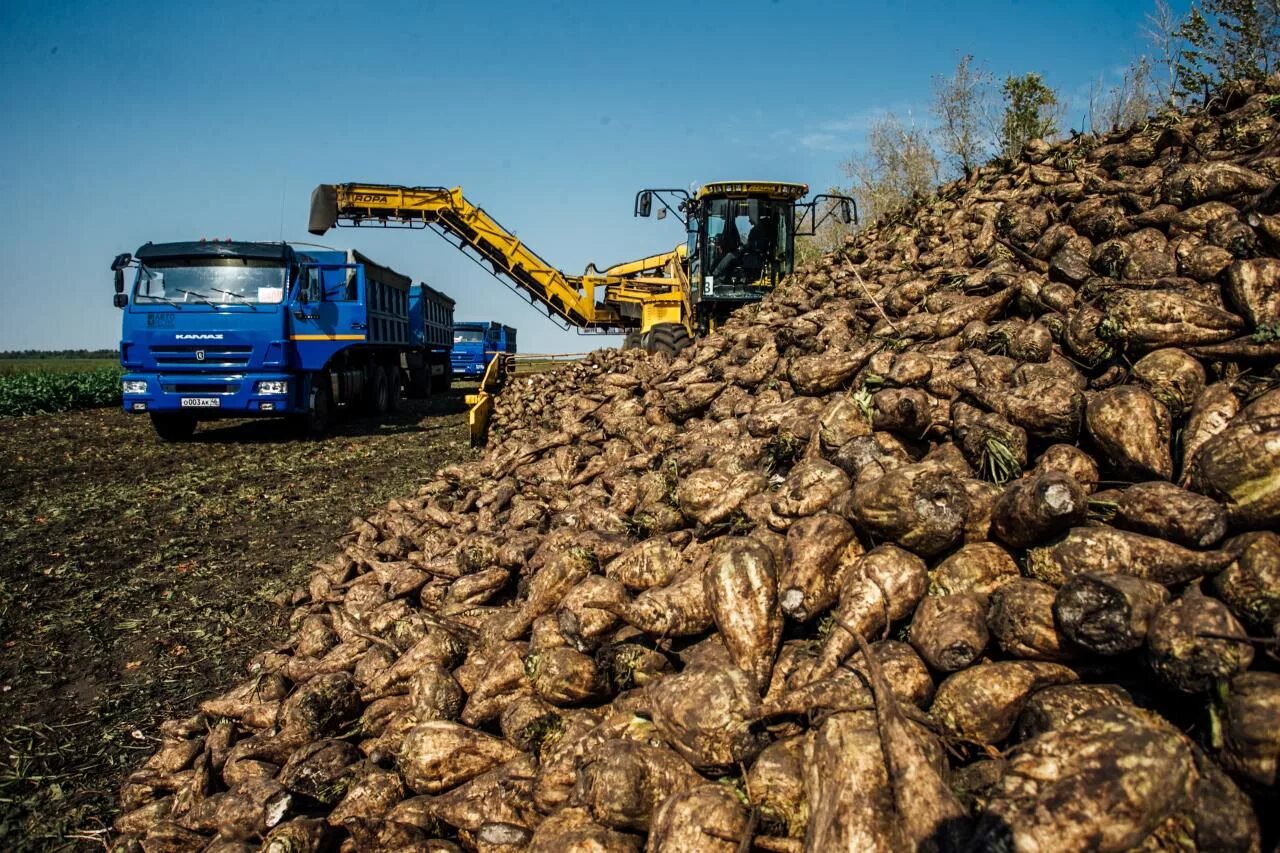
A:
x,y
127,122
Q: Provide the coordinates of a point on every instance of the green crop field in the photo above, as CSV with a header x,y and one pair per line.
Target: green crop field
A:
x,y
25,364
34,381
57,386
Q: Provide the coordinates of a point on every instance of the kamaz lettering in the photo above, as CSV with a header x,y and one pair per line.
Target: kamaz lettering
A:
x,y
197,337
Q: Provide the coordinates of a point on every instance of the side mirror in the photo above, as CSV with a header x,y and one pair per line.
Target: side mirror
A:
x,y
121,262
645,206
120,300
845,214
119,280
662,214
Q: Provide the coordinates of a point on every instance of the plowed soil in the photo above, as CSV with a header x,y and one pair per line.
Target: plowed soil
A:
x,y
137,577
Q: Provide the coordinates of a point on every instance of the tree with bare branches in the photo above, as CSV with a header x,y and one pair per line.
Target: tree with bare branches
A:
x,y
961,106
1130,101
1161,31
898,165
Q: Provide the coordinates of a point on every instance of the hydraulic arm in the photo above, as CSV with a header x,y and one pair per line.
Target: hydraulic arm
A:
x,y
595,302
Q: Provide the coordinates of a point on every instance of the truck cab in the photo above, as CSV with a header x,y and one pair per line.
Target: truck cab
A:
x,y
475,343
216,329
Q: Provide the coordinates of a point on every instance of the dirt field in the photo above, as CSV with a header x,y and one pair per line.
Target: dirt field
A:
x,y
136,578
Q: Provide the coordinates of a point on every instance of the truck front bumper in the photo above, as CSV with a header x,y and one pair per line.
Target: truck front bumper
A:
x,y
209,396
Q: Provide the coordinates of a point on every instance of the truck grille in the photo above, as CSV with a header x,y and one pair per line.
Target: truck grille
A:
x,y
201,387
219,355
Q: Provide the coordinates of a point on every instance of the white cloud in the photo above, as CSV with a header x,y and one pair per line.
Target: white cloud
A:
x,y
821,142
847,133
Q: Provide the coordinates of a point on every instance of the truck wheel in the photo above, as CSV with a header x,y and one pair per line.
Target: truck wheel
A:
x,y
379,399
394,378
633,340
669,338
316,420
173,427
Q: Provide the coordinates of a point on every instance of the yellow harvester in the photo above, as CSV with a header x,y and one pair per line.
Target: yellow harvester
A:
x,y
740,243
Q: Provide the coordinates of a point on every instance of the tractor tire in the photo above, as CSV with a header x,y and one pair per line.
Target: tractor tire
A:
x,y
316,420
171,427
633,340
669,338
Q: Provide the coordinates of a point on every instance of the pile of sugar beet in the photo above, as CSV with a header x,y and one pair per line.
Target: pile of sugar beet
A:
x,y
964,538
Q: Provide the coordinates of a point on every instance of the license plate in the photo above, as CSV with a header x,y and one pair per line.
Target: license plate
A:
x,y
201,402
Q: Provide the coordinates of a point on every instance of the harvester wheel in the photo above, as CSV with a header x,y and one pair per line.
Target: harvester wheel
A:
x,y
633,340
171,427
667,337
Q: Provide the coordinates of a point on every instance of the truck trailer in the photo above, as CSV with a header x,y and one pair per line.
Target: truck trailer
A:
x,y
233,329
475,343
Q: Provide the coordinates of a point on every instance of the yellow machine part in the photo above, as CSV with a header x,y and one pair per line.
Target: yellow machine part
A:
x,y
569,297
480,404
652,263
658,284
770,189
653,314
586,301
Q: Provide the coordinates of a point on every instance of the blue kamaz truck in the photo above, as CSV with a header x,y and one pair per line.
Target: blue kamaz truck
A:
x,y
219,329
475,344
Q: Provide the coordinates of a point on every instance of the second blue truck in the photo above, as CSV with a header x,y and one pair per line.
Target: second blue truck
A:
x,y
474,345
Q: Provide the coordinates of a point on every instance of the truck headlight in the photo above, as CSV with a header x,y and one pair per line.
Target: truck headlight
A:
x,y
272,386
133,386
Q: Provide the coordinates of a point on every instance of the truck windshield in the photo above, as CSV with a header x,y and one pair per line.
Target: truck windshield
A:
x,y
468,336
219,281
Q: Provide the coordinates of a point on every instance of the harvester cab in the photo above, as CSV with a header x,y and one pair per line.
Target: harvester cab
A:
x,y
740,237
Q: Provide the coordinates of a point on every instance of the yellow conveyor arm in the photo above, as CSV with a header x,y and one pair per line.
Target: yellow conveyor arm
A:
x,y
571,298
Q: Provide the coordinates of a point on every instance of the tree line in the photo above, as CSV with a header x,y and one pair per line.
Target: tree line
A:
x,y
60,353
977,119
